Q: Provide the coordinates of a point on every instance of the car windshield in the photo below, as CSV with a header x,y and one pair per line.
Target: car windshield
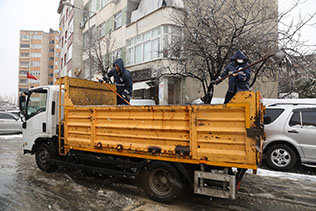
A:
x,y
272,114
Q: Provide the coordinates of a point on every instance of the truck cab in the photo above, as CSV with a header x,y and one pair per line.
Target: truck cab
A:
x,y
40,110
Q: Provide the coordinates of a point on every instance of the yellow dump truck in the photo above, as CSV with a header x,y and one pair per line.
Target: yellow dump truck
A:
x,y
170,148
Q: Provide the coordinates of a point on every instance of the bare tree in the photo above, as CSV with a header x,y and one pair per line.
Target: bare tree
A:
x,y
8,100
213,30
99,49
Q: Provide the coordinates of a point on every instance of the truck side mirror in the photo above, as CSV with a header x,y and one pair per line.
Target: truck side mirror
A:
x,y
22,102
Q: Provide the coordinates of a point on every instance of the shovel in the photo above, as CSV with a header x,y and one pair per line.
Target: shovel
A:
x,y
274,56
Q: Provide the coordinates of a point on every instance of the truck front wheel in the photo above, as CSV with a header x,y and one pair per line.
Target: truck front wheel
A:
x,y
162,182
44,155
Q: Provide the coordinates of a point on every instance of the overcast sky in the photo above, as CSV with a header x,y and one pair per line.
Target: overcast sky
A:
x,y
16,15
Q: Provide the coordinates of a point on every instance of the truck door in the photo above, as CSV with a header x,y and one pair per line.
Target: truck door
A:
x,y
35,124
302,128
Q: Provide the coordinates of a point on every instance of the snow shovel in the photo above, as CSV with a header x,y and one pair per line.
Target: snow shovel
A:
x,y
115,92
273,56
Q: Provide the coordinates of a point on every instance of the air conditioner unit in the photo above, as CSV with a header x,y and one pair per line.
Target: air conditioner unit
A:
x,y
82,24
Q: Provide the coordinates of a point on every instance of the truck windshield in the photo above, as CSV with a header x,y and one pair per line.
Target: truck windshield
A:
x,y
36,103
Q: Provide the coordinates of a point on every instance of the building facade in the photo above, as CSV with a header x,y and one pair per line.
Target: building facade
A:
x,y
38,56
140,32
70,39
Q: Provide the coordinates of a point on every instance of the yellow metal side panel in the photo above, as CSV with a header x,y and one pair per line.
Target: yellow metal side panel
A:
x,y
138,128
78,127
215,134
221,133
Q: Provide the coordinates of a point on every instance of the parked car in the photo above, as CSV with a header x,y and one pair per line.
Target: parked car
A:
x,y
290,135
9,123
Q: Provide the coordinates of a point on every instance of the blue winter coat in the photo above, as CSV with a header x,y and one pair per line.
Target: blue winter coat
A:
x,y
241,81
123,79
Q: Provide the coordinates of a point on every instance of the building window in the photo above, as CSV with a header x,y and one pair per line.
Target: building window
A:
x,y
23,81
65,59
102,28
24,45
62,42
23,72
25,37
51,50
65,35
71,27
52,42
171,39
36,46
24,54
93,7
35,54
35,82
144,47
118,20
148,46
67,13
51,58
51,66
69,53
35,72
23,89
103,3
35,64
24,64
62,62
36,37
116,54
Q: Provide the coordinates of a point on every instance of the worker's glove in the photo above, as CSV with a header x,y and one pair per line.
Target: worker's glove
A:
x,y
106,78
126,97
236,71
101,81
217,81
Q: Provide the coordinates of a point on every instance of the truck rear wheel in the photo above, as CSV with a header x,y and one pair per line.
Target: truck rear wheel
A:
x,y
162,182
44,155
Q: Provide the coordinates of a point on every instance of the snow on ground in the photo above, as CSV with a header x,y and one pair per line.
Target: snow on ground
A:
x,y
285,175
11,136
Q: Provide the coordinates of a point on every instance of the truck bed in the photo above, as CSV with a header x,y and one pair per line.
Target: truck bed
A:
x,y
220,135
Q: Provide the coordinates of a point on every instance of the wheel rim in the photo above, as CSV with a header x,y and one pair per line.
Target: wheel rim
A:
x,y
44,157
160,182
280,157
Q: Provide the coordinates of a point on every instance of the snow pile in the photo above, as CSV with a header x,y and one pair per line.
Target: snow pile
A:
x,y
287,175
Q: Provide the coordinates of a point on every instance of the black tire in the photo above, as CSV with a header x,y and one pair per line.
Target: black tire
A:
x,y
162,182
281,157
44,155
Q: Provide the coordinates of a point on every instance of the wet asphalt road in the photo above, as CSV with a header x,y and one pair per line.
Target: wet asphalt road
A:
x,y
24,187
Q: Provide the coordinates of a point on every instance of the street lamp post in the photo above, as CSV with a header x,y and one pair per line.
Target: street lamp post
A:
x,y
89,32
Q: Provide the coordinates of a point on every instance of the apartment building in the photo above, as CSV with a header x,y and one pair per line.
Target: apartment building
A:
x,y
70,39
38,56
138,31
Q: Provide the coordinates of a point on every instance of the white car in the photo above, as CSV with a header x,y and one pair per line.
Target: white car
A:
x,y
10,123
290,135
